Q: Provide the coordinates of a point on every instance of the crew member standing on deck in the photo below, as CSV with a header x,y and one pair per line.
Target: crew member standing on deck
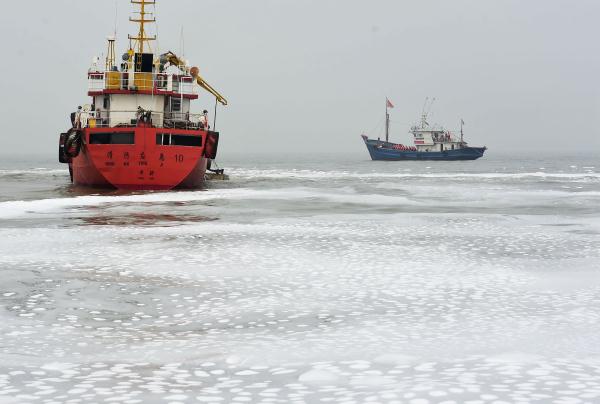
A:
x,y
140,114
84,116
204,120
76,118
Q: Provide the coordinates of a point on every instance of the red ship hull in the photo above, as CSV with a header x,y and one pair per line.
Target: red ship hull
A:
x,y
138,158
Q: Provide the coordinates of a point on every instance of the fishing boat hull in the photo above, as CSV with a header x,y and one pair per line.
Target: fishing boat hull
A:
x,y
139,158
379,150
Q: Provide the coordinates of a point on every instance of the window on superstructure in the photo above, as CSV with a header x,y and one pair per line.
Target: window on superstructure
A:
x,y
112,138
183,140
106,102
168,139
175,105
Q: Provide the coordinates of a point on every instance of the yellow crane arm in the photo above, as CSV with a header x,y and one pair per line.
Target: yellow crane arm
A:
x,y
211,90
174,60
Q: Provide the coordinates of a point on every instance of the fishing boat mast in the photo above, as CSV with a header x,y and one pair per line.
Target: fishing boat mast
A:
x,y
387,122
388,105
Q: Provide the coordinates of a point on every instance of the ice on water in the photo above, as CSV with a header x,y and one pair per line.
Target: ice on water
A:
x,y
369,284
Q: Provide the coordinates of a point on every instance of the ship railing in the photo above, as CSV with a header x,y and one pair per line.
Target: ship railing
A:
x,y
129,118
182,120
119,118
155,82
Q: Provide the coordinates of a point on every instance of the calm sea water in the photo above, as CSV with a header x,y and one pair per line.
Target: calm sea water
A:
x,y
305,279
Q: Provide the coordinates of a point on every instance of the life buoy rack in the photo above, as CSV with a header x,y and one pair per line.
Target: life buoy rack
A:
x,y
211,145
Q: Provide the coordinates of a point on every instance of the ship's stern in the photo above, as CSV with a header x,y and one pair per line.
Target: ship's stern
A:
x,y
141,158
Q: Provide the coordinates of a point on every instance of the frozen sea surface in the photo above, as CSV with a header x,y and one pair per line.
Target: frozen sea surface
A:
x,y
334,280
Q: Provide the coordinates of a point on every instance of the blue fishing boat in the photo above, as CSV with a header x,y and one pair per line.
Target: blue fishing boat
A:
x,y
430,143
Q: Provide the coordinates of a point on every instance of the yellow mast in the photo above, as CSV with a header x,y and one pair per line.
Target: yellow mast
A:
x,y
141,37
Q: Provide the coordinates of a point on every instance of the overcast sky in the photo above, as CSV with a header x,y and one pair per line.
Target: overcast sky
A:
x,y
312,75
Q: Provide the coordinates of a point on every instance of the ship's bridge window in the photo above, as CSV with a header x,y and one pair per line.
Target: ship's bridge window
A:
x,y
112,138
175,104
170,139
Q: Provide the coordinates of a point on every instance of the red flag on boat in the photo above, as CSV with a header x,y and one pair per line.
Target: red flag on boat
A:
x,y
388,104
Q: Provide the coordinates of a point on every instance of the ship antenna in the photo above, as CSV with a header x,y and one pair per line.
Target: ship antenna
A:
x,y
116,16
430,106
182,43
424,114
142,20
110,54
424,105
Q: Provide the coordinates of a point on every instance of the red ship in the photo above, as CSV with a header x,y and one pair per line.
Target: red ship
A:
x,y
138,132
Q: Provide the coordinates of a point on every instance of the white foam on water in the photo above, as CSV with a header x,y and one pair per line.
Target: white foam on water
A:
x,y
58,366
320,377
316,174
35,171
416,196
18,208
491,194
514,357
12,209
395,359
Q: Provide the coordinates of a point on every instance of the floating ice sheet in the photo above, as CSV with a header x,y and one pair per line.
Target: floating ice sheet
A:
x,y
456,288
